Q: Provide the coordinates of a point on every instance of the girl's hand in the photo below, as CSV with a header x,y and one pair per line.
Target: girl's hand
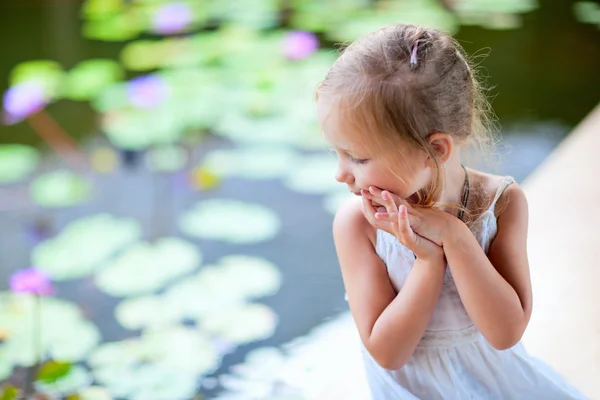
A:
x,y
430,223
400,227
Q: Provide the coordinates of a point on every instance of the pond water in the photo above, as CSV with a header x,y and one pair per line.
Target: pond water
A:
x,y
543,69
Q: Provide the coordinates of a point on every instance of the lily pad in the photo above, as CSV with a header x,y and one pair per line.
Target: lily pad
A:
x,y
138,129
17,161
77,378
230,221
244,324
89,77
48,74
250,163
61,188
167,158
160,364
234,280
115,27
587,12
146,267
84,245
63,332
147,312
420,12
314,174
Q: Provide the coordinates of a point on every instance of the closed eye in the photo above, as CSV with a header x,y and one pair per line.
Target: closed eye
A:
x,y
358,160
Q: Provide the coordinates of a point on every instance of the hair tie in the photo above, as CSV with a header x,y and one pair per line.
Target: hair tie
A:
x,y
413,54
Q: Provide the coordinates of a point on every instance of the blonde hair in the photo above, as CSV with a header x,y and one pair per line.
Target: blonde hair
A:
x,y
402,83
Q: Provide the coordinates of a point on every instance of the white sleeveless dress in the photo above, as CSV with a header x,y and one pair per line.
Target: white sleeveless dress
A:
x,y
453,361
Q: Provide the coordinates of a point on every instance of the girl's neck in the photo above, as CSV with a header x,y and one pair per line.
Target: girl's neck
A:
x,y
454,182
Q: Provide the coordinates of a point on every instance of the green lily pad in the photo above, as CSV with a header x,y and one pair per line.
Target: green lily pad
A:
x,y
230,221
160,364
147,312
253,14
94,393
587,12
166,158
114,28
89,77
320,16
61,332
47,73
94,9
51,371
333,201
146,267
420,12
314,175
245,323
83,245
140,129
233,280
250,163
77,378
17,161
143,55
61,188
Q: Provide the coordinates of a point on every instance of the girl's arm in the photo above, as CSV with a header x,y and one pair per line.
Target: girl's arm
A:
x,y
495,288
390,325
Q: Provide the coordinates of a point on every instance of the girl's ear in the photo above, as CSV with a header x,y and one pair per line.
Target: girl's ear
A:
x,y
442,145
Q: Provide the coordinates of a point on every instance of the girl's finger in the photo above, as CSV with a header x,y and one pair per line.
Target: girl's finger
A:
x,y
404,230
393,217
388,201
375,191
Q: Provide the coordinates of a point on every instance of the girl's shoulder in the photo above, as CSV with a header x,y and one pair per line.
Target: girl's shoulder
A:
x,y
493,191
350,220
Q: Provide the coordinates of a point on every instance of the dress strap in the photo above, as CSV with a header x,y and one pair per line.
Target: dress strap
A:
x,y
507,181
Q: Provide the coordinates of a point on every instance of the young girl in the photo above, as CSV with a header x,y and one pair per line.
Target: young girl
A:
x,y
433,256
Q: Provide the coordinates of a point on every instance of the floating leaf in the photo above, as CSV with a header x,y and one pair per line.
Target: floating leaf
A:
x,y
139,129
146,312
76,378
419,12
167,158
94,393
254,14
234,280
94,9
9,392
84,244
114,28
104,159
90,77
48,74
17,162
587,12
250,163
51,371
63,332
314,175
148,267
160,364
60,189
230,221
243,324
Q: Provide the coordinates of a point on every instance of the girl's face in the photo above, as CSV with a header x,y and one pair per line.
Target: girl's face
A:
x,y
360,167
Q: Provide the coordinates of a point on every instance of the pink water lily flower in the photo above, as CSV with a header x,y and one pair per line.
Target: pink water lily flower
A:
x,y
172,18
22,100
299,45
31,280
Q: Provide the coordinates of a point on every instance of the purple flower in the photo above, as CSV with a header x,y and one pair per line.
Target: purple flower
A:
x,y
299,45
147,91
22,100
172,18
31,280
